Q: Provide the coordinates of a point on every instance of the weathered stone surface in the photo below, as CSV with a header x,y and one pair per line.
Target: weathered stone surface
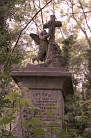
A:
x,y
45,78
47,88
47,102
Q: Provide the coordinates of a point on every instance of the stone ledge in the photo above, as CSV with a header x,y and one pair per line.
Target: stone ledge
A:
x,y
41,71
45,78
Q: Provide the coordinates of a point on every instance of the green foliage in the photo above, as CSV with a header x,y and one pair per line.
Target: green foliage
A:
x,y
68,43
76,118
38,131
6,120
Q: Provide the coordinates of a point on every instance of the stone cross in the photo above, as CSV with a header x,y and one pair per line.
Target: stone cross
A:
x,y
51,25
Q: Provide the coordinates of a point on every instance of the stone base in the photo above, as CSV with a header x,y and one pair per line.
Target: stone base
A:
x,y
47,89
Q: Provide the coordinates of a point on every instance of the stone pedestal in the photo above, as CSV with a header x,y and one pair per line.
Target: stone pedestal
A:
x,y
47,90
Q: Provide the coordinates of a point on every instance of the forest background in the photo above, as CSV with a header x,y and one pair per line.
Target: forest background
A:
x,y
19,18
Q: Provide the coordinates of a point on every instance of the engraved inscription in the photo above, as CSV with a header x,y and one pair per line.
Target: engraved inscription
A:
x,y
48,106
48,101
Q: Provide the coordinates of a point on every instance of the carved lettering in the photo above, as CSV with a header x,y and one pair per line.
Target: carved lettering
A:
x,y
48,103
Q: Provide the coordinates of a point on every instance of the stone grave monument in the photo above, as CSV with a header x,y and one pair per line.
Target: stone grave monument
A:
x,y
48,84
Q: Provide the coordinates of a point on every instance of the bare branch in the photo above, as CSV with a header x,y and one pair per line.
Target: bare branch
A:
x,y
53,6
85,16
75,13
36,25
41,13
34,20
62,33
85,33
28,24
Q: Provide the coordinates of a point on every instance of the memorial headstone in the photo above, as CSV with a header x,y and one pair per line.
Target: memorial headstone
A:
x,y
47,84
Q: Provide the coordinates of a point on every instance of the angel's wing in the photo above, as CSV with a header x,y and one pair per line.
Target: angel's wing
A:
x,y
36,38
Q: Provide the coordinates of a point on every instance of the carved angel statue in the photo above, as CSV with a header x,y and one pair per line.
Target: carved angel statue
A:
x,y
42,41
